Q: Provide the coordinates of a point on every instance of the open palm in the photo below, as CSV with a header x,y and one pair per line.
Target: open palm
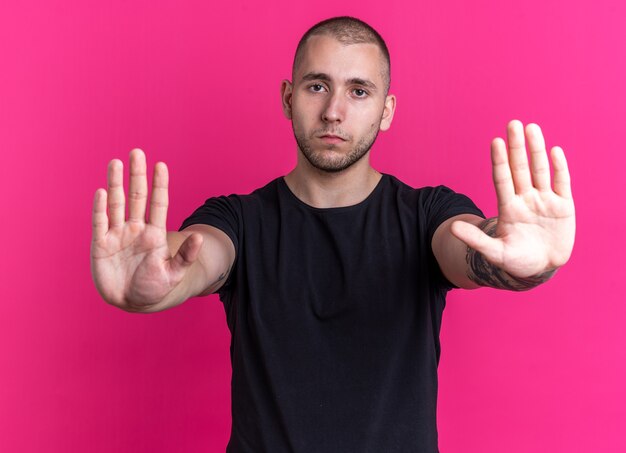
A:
x,y
131,263
536,225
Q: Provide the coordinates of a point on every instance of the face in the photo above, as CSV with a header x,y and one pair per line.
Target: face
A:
x,y
337,102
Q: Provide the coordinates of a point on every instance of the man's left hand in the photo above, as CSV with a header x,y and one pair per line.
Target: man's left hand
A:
x,y
534,231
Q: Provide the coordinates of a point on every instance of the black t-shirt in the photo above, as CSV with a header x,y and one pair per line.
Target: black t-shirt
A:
x,y
335,317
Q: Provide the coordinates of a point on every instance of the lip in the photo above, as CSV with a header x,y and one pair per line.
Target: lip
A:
x,y
329,138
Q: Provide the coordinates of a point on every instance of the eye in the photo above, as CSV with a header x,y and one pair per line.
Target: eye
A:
x,y
317,88
359,92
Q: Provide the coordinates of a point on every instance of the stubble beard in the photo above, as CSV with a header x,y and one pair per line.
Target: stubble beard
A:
x,y
335,165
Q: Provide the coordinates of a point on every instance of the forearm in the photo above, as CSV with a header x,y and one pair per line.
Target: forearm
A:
x,y
483,273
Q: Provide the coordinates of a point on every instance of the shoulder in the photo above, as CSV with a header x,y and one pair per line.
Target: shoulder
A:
x,y
238,200
422,197
266,193
431,205
227,211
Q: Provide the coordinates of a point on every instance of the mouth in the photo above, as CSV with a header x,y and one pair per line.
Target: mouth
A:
x,y
330,138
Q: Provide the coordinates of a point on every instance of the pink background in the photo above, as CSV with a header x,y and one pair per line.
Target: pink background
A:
x,y
197,86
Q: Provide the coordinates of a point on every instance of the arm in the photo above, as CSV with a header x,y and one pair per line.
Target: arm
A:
x,y
533,234
137,265
214,263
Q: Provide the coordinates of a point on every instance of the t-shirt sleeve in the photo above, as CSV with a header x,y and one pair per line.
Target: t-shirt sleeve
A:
x,y
219,212
439,204
223,213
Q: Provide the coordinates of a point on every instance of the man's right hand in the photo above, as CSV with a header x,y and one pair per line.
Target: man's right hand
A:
x,y
131,263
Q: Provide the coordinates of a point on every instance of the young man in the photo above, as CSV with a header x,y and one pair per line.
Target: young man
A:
x,y
334,276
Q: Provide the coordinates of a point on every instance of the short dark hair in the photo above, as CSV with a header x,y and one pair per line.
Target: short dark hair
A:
x,y
347,30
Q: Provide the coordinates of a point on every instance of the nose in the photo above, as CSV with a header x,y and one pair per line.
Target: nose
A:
x,y
334,109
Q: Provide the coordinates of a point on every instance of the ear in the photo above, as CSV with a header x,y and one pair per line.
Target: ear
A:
x,y
286,90
388,111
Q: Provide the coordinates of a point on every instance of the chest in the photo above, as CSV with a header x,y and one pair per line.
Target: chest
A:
x,y
362,265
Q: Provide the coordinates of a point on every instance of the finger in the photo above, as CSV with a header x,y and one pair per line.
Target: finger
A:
x,y
115,195
562,181
187,254
501,172
100,221
491,248
138,187
159,197
517,157
540,167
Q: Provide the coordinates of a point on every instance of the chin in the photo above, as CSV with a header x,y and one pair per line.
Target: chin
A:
x,y
334,163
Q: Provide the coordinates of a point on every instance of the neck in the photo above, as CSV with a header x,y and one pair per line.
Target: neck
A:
x,y
322,189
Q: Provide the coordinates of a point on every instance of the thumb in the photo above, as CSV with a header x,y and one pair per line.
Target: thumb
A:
x,y
186,255
491,248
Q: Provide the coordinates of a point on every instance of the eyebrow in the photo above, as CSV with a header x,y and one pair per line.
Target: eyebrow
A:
x,y
352,81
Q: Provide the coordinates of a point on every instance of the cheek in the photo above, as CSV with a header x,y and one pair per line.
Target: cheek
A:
x,y
302,116
299,124
296,118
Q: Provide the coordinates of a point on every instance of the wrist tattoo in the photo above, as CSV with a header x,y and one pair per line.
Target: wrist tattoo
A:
x,y
483,273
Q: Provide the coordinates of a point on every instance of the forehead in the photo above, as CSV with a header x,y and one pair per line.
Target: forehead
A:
x,y
325,54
